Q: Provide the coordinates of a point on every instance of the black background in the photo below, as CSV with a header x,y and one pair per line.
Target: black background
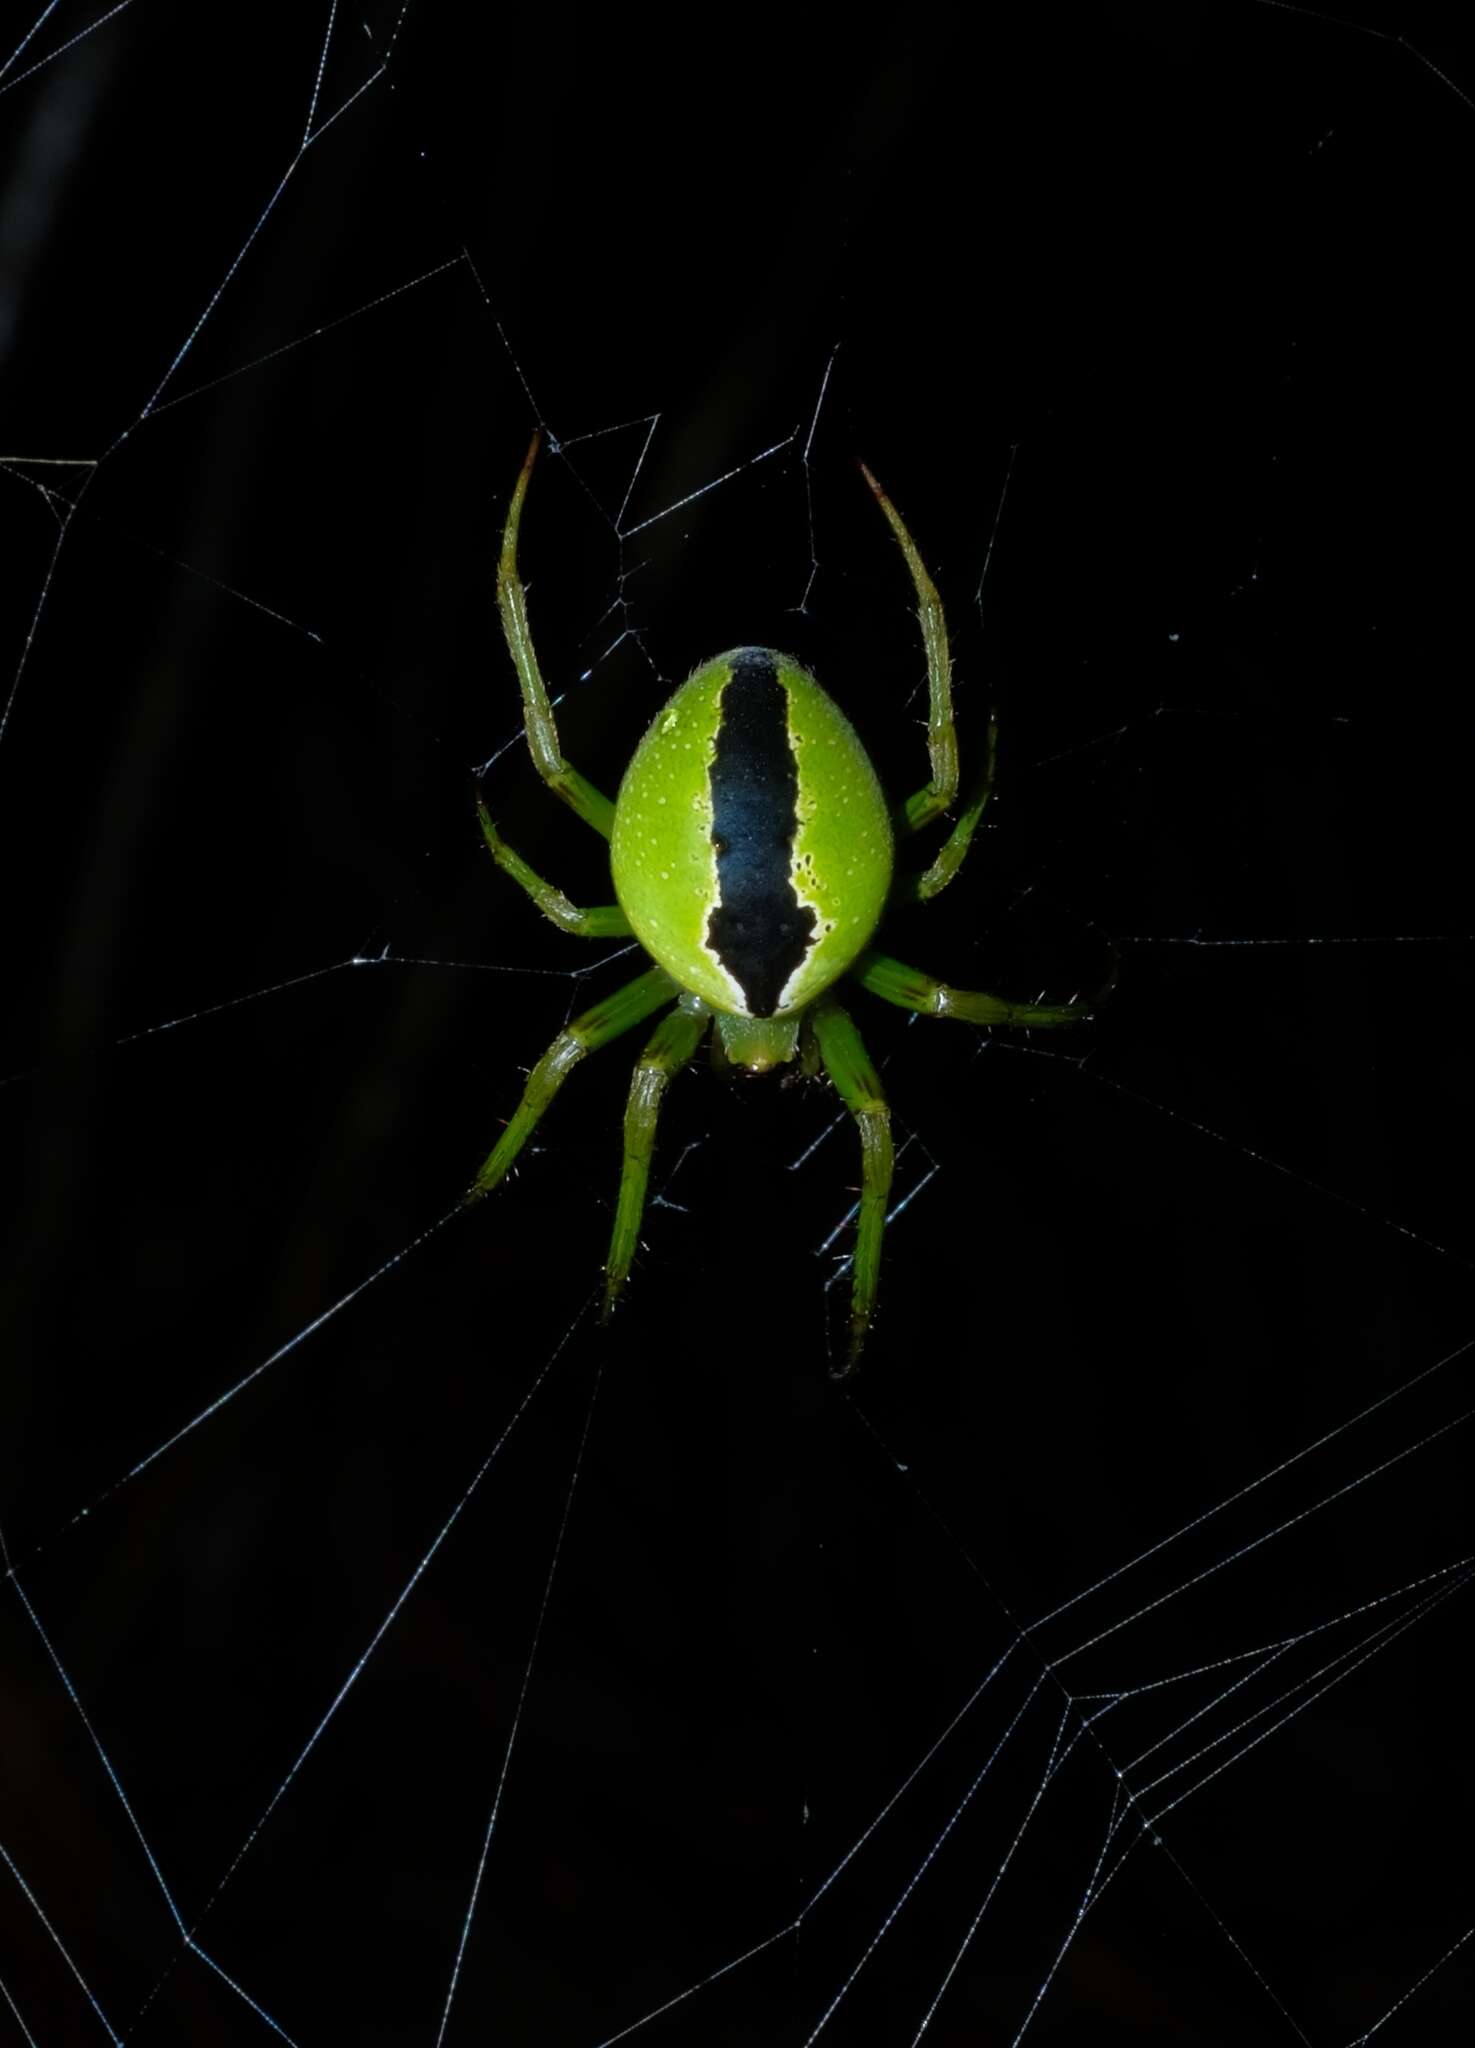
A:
x,y
1196,283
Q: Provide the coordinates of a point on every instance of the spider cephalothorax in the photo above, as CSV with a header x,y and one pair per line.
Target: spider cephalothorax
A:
x,y
751,848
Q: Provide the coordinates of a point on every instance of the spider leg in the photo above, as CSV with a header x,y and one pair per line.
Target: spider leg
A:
x,y
937,795
933,880
910,989
848,1065
596,1027
591,804
671,1045
602,921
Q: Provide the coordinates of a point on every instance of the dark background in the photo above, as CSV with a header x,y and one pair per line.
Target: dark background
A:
x,y
1196,282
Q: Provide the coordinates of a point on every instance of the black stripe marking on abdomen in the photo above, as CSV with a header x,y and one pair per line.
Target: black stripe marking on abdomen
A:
x,y
760,931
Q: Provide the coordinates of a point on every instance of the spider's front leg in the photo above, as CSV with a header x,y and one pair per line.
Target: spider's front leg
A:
x,y
858,1085
580,794
597,1026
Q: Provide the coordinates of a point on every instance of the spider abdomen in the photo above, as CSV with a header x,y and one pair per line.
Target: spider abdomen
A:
x,y
752,844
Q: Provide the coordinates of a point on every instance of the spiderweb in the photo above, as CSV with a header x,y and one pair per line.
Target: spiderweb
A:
x,y
390,1655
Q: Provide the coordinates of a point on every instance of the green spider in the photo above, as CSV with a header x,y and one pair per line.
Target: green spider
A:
x,y
751,849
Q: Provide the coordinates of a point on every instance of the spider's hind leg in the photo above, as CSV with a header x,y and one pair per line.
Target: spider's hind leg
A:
x,y
939,793
936,795
592,805
950,855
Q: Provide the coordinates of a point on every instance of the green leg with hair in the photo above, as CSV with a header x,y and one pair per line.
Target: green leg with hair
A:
x,y
940,793
580,795
910,989
603,921
672,1044
937,795
933,880
618,1013
848,1065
